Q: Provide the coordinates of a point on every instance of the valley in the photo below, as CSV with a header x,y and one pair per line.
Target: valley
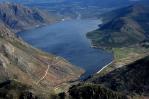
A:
x,y
76,49
68,39
124,32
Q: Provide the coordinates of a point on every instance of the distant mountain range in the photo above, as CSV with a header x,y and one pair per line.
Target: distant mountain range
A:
x,y
75,8
33,1
102,3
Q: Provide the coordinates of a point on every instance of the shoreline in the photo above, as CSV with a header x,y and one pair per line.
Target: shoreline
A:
x,y
105,67
93,47
96,47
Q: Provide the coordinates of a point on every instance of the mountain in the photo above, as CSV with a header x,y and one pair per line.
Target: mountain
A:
x,y
76,9
33,1
41,71
101,3
19,17
19,61
93,91
124,30
128,82
124,27
26,72
131,79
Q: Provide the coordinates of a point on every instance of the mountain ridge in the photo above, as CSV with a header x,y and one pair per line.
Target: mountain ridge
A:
x,y
18,17
127,82
26,72
121,30
124,32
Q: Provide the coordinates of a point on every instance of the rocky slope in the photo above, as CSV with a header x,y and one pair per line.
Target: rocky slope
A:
x,y
19,17
22,63
124,27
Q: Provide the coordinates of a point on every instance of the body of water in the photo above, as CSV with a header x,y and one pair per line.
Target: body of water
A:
x,y
68,40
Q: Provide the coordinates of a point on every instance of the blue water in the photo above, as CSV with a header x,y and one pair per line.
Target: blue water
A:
x,y
68,39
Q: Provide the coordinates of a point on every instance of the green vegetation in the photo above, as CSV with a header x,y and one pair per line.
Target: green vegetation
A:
x,y
125,33
122,53
131,79
123,30
124,56
12,89
93,91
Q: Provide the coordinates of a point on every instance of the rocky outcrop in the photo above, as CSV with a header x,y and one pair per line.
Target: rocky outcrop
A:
x,y
18,17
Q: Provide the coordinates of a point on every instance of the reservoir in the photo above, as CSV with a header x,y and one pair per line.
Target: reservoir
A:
x,y
68,40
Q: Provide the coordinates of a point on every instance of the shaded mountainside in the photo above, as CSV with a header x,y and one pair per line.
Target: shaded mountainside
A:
x,y
123,30
93,91
123,27
131,80
19,17
12,89
30,66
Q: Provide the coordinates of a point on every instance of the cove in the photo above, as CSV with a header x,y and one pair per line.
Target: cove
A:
x,y
68,40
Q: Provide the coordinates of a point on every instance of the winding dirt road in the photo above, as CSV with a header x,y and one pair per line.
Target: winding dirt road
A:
x,y
46,72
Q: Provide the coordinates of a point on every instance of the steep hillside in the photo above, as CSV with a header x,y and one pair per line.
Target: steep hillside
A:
x,y
30,66
93,91
131,80
18,17
124,27
11,89
125,31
